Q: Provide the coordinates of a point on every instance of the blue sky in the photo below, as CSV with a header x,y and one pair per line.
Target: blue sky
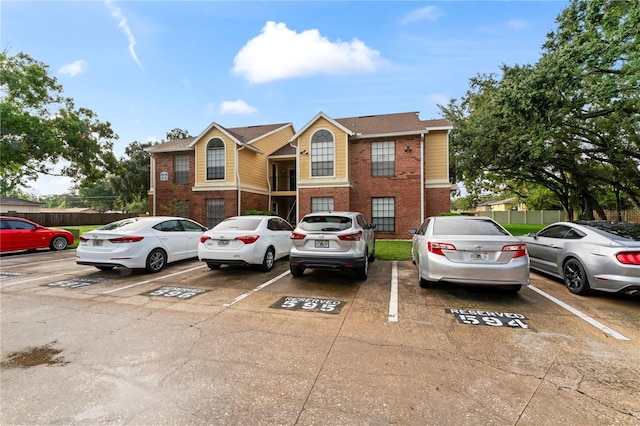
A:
x,y
151,66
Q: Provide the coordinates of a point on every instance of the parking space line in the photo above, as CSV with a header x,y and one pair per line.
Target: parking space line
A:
x,y
3,285
580,315
21,265
155,279
260,287
393,299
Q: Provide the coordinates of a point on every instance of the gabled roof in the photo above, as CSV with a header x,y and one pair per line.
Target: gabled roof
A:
x,y
390,124
403,123
17,201
284,151
243,136
171,146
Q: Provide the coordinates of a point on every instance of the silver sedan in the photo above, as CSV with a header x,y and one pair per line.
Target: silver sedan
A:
x,y
471,250
589,255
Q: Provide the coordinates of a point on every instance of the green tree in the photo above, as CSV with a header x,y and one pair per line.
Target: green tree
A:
x,y
99,195
132,180
41,128
177,134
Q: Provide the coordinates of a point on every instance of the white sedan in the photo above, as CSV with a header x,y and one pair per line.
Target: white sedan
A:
x,y
140,242
246,240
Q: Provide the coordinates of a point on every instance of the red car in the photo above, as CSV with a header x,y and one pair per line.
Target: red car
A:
x,y
21,234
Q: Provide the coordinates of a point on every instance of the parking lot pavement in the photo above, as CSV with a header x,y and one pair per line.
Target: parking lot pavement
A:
x,y
238,346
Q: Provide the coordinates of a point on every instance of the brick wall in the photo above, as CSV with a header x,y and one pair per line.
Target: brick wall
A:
x,y
340,198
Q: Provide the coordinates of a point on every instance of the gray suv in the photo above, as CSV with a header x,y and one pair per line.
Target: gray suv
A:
x,y
333,240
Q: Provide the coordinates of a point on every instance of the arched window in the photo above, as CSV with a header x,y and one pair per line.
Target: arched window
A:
x,y
215,159
322,153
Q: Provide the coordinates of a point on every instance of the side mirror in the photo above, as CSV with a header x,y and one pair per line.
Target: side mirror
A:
x,y
413,230
532,234
372,225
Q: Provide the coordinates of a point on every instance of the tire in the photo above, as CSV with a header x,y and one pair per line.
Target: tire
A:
x,y
575,278
424,283
213,266
269,260
511,289
58,243
156,261
105,268
363,271
296,271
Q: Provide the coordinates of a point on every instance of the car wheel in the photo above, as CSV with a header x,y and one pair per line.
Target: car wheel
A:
x,y
511,289
372,256
424,283
363,271
575,277
296,271
213,266
58,243
156,260
105,268
269,259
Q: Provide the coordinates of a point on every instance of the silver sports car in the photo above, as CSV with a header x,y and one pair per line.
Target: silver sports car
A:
x,y
589,255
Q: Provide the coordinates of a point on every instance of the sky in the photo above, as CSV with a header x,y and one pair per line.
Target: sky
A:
x,y
148,67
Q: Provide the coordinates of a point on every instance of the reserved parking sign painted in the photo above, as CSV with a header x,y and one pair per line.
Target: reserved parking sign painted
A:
x,y
494,319
325,306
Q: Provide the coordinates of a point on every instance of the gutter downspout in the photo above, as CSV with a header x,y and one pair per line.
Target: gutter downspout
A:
x,y
154,183
422,182
238,181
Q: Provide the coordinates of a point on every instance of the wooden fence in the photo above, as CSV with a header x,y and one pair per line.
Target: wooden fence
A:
x,y
72,219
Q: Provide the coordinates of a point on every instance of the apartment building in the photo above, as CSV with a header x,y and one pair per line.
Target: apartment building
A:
x,y
394,168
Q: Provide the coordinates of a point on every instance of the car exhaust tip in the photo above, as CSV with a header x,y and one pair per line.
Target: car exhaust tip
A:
x,y
633,292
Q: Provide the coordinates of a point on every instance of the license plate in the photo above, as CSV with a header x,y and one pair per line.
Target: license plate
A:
x,y
223,243
322,244
479,255
97,242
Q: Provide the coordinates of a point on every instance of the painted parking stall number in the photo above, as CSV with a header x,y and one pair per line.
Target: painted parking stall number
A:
x,y
326,306
75,283
4,274
493,319
177,292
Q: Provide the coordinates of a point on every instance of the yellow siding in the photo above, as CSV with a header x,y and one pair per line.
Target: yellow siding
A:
x,y
436,156
201,159
340,151
253,165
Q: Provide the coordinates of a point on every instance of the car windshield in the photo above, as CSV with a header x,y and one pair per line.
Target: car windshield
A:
x,y
124,225
467,227
242,224
325,223
627,230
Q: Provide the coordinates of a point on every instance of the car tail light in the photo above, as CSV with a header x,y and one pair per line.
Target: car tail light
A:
x,y
436,248
629,258
248,239
128,239
520,249
297,236
354,236
204,238
83,239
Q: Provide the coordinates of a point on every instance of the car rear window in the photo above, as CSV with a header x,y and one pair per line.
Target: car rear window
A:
x,y
124,225
467,227
242,224
626,230
325,223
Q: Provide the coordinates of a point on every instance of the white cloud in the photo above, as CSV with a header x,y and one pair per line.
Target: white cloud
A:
x,y
236,107
429,13
516,24
279,53
74,68
438,99
116,12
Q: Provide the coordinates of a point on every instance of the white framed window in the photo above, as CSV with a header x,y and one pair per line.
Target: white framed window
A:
x,y
383,213
321,204
322,153
383,158
215,212
215,159
181,168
